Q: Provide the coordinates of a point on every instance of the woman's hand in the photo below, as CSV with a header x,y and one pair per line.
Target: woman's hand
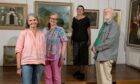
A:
x,y
61,62
19,72
18,56
89,43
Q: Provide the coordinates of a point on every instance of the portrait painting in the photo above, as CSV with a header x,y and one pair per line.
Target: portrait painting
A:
x,y
9,56
117,16
64,10
133,36
93,15
12,16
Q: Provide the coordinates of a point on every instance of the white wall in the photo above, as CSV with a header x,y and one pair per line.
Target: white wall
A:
x,y
8,37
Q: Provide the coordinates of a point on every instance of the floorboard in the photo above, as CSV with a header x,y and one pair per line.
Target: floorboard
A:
x,y
122,74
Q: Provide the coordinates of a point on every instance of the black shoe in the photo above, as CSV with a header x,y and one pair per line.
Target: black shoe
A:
x,y
114,82
81,76
76,73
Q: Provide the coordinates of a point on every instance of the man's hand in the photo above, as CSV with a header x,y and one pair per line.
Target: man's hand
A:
x,y
93,50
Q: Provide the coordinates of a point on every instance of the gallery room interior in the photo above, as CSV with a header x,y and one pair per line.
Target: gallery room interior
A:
x,y
126,70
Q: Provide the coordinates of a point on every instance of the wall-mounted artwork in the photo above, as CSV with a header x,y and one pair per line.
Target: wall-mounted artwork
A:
x,y
43,9
117,16
69,52
133,36
12,16
9,56
93,15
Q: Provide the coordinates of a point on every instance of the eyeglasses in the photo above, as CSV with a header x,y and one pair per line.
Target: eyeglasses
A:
x,y
54,18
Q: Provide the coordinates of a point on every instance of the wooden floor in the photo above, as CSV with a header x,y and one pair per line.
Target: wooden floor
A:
x,y
122,74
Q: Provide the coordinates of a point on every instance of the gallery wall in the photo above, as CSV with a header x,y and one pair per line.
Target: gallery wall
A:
x,y
8,37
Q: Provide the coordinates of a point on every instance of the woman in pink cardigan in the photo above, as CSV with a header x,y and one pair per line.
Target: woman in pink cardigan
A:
x,y
30,52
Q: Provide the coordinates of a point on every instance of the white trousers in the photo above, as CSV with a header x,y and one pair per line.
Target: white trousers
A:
x,y
103,72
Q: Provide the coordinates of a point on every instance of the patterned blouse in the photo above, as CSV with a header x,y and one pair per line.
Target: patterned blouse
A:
x,y
54,40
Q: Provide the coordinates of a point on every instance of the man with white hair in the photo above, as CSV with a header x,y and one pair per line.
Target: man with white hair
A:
x,y
105,48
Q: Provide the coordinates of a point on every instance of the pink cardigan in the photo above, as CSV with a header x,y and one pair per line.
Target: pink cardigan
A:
x,y
32,49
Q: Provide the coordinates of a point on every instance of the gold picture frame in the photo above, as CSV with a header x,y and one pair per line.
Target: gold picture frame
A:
x,y
117,15
69,52
64,10
9,56
93,15
12,16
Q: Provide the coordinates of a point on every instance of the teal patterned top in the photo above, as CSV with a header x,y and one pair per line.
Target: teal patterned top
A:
x,y
54,40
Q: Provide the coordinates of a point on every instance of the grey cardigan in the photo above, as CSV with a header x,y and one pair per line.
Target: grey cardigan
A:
x,y
108,48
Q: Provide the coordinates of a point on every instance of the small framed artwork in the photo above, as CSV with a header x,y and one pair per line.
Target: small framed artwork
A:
x,y
64,10
93,15
69,52
117,16
12,16
133,34
9,56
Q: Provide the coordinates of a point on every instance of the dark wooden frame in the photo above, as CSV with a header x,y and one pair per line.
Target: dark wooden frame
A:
x,y
94,20
133,28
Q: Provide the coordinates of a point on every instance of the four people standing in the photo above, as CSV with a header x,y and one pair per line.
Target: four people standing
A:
x,y
105,48
33,45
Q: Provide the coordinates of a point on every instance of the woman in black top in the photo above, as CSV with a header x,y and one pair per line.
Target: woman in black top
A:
x,y
81,38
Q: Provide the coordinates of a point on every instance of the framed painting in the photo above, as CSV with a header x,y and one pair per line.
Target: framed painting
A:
x,y
12,16
93,15
9,56
69,52
117,15
133,34
64,10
